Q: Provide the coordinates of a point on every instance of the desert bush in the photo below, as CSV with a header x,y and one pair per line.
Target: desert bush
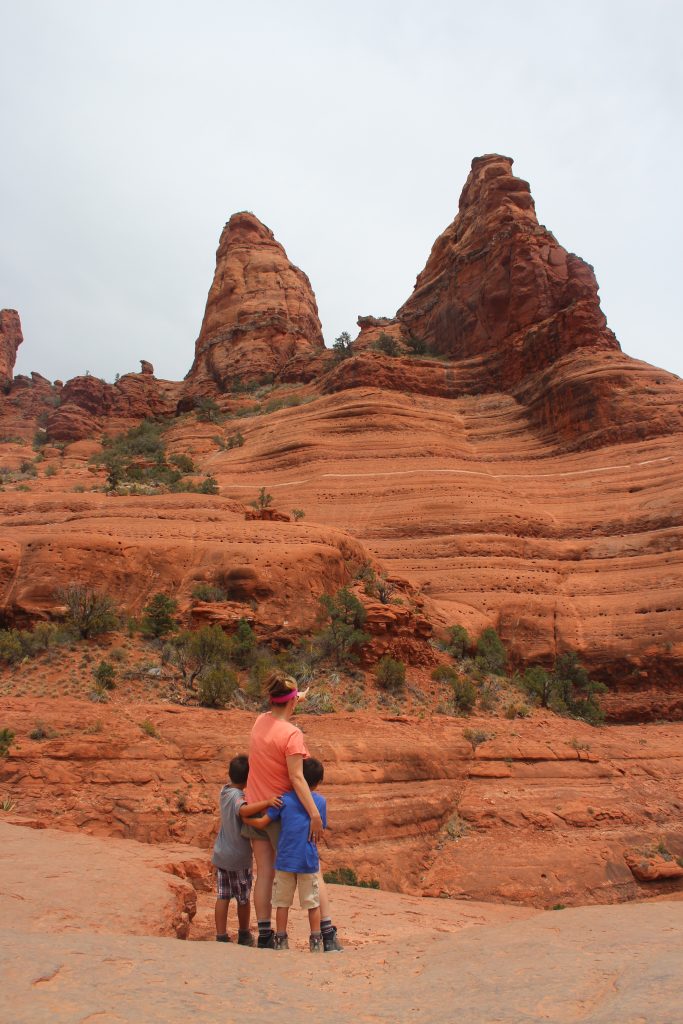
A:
x,y
458,642
390,674
417,346
491,654
444,674
297,514
157,618
347,876
539,684
6,741
475,737
41,731
28,468
217,685
149,728
182,462
489,693
207,411
342,638
263,500
89,612
51,470
209,485
464,695
207,592
104,675
243,644
194,651
388,345
575,690
515,710
342,346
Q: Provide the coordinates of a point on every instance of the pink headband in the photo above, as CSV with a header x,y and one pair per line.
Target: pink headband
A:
x,y
287,696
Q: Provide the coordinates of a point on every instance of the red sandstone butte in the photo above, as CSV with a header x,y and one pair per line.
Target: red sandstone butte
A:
x,y
261,314
10,340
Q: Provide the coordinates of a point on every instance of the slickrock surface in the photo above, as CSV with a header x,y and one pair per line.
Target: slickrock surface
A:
x,y
261,312
10,340
545,811
72,948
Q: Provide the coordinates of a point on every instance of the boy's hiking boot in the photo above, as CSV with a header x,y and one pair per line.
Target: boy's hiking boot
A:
x,y
280,942
315,944
266,941
331,943
245,938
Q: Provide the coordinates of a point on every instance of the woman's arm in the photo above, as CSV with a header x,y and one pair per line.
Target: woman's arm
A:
x,y
295,767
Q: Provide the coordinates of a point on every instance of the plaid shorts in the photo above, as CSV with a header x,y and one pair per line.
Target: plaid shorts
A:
x,y
234,885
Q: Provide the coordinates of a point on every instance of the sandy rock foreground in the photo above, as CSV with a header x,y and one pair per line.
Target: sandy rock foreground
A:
x,y
72,909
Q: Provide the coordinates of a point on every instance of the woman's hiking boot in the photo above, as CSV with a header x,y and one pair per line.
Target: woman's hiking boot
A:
x,y
245,938
331,943
280,942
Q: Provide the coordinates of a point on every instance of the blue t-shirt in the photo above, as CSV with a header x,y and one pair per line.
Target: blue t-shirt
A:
x,y
295,852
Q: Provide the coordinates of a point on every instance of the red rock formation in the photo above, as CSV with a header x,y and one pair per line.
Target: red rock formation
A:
x,y
10,340
261,316
88,405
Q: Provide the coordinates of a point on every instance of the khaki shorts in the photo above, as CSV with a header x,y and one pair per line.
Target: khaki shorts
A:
x,y
271,832
285,885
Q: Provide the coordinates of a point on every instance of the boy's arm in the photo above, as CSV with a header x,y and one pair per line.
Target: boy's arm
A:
x,y
264,820
249,810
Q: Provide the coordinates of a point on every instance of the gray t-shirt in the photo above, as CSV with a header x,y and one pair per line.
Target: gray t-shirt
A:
x,y
231,851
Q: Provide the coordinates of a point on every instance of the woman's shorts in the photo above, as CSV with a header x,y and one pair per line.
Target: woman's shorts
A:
x,y
286,884
234,885
271,832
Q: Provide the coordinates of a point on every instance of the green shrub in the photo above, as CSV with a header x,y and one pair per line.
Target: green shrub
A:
x,y
217,685
390,674
514,710
343,636
342,346
104,675
347,876
491,654
297,514
444,674
209,485
388,345
28,468
207,592
149,729
6,741
464,695
475,737
264,500
207,411
89,612
417,346
459,642
243,644
194,651
51,470
157,619
539,684
42,732
182,462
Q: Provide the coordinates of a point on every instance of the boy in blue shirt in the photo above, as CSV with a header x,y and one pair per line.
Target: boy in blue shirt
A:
x,y
297,863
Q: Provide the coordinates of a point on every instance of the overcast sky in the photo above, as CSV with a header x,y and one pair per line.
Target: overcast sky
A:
x,y
130,131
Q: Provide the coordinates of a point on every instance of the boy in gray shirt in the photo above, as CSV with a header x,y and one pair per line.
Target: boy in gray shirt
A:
x,y
232,853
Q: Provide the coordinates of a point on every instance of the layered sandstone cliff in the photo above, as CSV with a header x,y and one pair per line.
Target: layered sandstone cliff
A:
x,y
261,315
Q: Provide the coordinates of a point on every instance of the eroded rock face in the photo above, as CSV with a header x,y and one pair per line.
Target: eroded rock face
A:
x,y
498,285
10,340
87,403
261,316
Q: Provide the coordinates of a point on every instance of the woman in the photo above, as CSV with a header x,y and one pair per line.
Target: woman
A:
x,y
276,755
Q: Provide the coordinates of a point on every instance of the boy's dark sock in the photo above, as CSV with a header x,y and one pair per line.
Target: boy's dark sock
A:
x,y
326,926
222,938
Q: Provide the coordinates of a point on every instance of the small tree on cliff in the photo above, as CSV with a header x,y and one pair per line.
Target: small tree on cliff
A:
x,y
194,652
342,347
342,638
264,500
157,620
